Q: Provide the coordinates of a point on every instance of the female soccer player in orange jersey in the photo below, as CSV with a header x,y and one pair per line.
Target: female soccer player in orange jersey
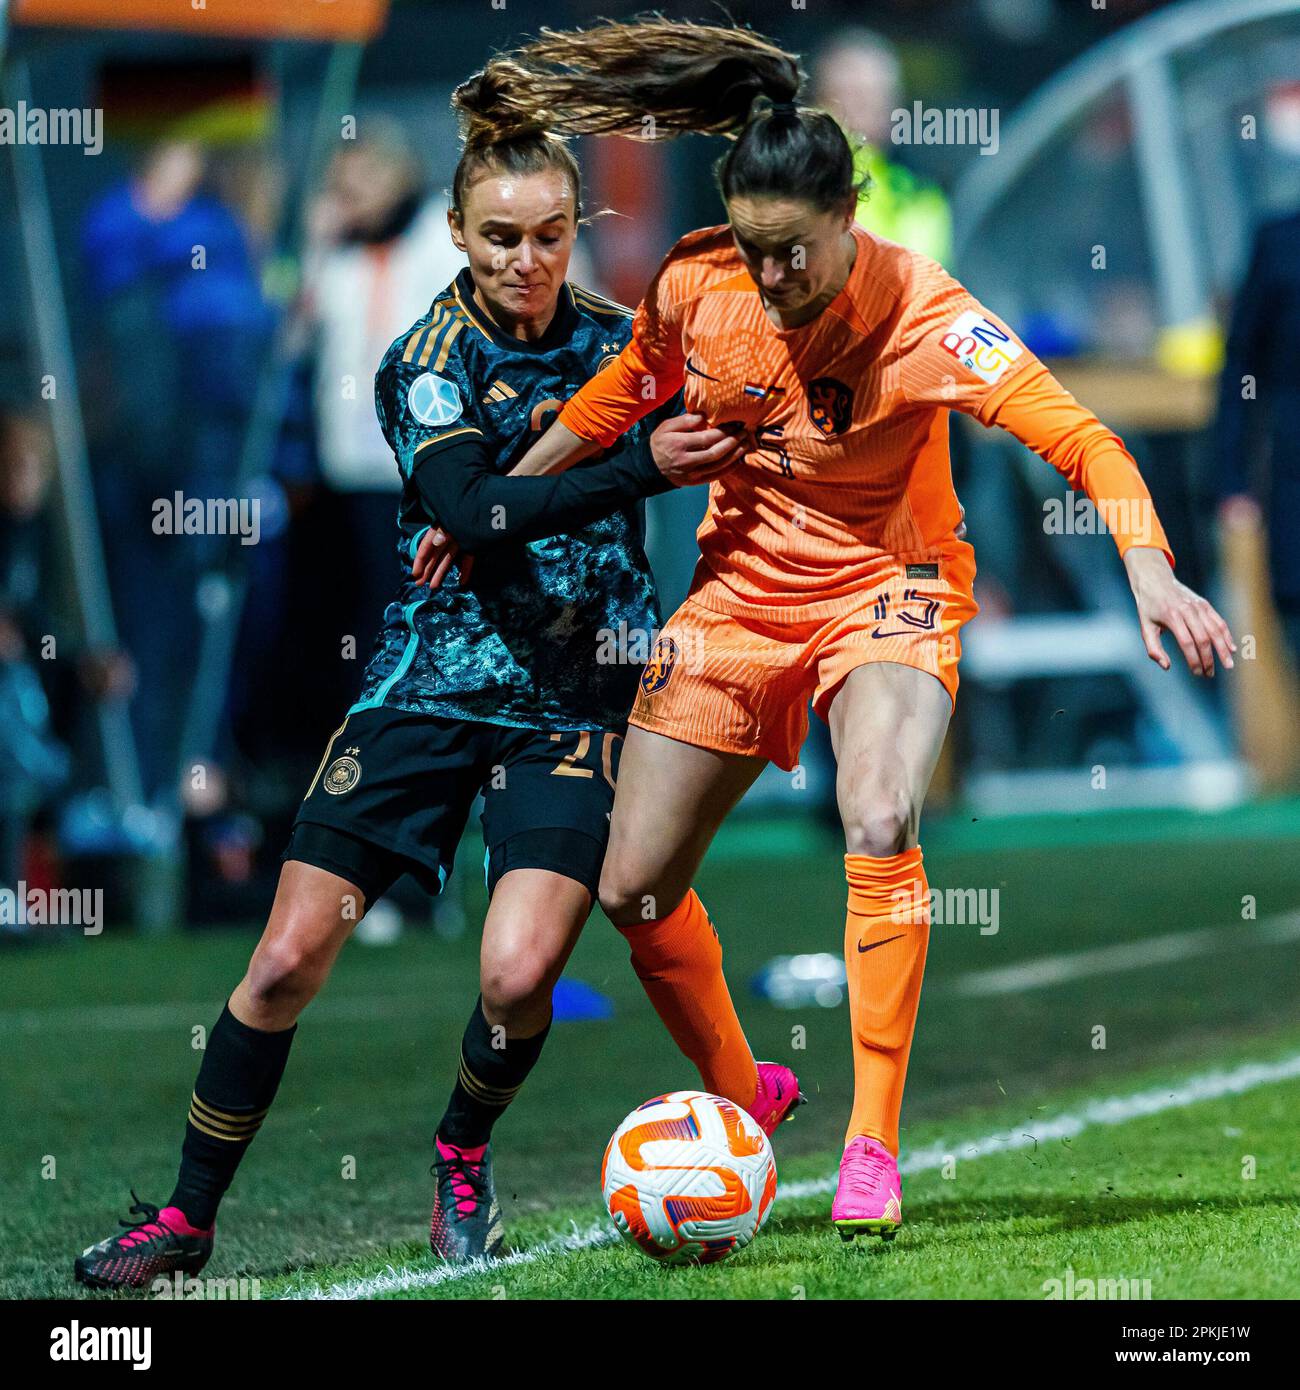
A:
x,y
832,559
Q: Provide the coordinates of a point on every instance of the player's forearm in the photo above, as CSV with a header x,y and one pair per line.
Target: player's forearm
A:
x,y
559,448
606,407
1141,561
1046,418
481,510
625,391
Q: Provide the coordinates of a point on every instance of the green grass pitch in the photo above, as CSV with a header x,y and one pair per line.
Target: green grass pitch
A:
x,y
1193,1200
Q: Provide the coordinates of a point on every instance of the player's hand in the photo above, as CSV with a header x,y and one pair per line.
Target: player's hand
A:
x,y
1165,604
433,557
688,453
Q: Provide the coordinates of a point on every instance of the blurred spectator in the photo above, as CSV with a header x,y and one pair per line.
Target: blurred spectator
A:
x,y
380,251
184,330
46,681
1257,449
858,79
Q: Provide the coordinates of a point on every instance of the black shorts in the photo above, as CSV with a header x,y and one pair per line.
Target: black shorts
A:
x,y
394,791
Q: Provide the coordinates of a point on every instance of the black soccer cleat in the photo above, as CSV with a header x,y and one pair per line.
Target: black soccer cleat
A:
x,y
152,1246
466,1221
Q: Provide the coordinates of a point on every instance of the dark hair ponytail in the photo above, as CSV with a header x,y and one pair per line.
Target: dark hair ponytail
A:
x,y
657,77
789,151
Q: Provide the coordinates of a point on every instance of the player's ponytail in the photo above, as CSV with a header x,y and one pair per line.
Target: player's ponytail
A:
x,y
789,151
656,77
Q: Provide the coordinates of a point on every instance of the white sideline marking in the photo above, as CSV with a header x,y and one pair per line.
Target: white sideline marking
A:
x,y
1117,1110
1129,955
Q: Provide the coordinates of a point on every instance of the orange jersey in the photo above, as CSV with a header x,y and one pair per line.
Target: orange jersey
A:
x,y
847,417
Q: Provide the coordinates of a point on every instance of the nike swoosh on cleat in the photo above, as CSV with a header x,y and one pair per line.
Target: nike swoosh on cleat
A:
x,y
885,942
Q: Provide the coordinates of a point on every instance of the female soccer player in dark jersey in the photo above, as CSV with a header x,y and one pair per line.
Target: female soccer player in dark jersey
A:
x,y
491,685
833,561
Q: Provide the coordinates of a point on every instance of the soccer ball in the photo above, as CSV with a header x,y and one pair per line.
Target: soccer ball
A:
x,y
689,1177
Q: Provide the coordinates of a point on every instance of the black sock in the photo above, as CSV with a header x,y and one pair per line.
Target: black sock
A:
x,y
489,1079
237,1082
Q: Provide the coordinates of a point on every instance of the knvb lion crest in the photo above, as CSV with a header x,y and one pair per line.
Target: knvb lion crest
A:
x,y
830,405
660,666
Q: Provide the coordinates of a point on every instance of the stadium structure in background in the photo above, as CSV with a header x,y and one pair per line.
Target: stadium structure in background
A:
x,y
340,30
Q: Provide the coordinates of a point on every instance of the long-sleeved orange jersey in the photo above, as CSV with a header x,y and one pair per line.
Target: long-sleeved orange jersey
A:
x,y
847,416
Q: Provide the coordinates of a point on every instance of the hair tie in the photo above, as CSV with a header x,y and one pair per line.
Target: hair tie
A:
x,y
784,108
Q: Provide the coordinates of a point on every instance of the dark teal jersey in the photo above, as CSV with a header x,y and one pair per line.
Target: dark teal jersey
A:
x,y
541,635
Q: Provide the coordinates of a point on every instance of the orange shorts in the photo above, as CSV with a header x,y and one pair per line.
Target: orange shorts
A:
x,y
741,684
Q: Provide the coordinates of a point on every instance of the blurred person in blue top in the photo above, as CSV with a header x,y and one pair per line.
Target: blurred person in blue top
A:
x,y
182,327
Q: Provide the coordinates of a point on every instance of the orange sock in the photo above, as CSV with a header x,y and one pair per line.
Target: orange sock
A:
x,y
889,916
678,960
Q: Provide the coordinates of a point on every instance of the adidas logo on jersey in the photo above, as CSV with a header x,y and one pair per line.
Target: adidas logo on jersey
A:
x,y
499,392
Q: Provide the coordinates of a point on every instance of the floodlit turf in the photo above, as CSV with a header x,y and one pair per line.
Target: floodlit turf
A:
x,y
1160,1204
98,1065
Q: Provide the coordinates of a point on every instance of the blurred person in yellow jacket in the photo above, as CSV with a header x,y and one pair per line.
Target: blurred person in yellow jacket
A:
x,y
858,79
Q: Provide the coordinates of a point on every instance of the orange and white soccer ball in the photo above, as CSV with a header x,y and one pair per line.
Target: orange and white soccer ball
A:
x,y
689,1177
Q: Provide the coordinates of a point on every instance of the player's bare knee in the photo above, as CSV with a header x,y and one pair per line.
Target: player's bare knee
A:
x,y
517,993
620,895
631,906
284,974
879,824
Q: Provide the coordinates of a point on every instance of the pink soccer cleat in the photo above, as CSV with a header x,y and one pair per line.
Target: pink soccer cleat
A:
x,y
161,1243
466,1220
778,1094
869,1199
